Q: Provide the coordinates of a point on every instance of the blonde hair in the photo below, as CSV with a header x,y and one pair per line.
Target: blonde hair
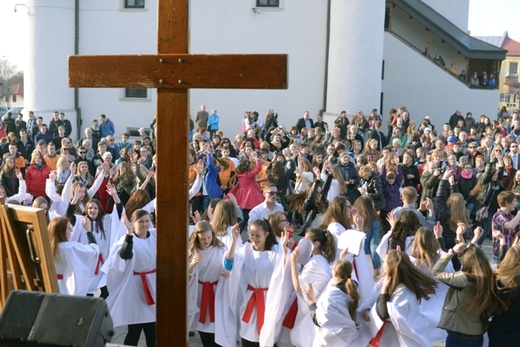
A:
x,y
424,249
194,242
508,272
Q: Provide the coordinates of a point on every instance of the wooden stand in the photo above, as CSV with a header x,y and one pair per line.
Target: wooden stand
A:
x,y
26,260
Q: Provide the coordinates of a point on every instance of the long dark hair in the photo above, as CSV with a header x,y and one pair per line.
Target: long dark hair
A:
x,y
99,218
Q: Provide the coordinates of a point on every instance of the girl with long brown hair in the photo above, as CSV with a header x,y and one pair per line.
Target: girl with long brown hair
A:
x,y
404,287
371,227
504,330
451,212
319,244
74,261
224,218
472,296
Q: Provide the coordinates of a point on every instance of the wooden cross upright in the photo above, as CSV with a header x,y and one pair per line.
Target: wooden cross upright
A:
x,y
173,71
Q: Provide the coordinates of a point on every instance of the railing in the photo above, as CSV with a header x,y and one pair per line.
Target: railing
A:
x,y
512,79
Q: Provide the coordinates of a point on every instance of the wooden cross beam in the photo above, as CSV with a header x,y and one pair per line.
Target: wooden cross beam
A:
x,y
173,71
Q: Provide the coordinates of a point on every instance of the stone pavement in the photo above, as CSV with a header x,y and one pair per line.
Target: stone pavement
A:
x,y
120,332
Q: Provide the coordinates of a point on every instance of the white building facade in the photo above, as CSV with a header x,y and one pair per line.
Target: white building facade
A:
x,y
343,55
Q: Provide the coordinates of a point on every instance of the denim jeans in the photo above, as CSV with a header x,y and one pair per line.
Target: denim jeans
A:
x,y
486,225
452,341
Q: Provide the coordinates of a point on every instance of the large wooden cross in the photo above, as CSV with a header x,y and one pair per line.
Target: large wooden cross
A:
x,y
173,71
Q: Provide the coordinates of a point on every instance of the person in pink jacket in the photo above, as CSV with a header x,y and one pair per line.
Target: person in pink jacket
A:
x,y
247,192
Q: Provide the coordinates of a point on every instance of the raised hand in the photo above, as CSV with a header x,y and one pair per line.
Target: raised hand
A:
x,y
391,219
73,168
437,230
235,232
128,225
311,296
497,235
53,176
86,224
18,174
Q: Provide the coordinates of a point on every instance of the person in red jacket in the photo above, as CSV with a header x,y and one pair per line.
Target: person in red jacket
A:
x,y
36,175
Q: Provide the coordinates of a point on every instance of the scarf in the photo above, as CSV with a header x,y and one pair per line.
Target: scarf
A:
x,y
466,175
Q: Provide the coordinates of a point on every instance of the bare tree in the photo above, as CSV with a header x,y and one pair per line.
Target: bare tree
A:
x,y
9,75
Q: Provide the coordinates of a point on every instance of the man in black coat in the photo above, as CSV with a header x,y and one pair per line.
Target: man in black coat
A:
x,y
377,134
305,122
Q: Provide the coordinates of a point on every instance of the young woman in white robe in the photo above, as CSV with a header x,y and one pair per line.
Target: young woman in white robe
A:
x,y
316,271
334,313
401,234
60,202
131,279
206,273
404,286
426,250
105,228
260,284
74,261
346,225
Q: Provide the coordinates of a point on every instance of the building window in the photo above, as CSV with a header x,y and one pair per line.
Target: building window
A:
x,y
134,3
14,98
513,68
267,3
138,93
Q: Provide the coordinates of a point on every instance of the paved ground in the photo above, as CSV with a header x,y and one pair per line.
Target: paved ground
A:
x,y
195,340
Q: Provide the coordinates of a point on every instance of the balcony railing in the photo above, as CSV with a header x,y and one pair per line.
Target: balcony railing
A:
x,y
512,79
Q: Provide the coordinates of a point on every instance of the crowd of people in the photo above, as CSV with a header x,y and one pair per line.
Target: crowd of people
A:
x,y
98,195
344,234
351,234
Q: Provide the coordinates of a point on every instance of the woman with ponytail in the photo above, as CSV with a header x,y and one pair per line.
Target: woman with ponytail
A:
x,y
334,313
316,270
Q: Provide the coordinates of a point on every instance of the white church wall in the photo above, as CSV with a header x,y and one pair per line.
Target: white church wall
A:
x,y
412,80
232,27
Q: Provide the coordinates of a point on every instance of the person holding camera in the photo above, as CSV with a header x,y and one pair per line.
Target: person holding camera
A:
x,y
430,180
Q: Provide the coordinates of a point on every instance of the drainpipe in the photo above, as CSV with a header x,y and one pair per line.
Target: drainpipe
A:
x,y
76,52
327,42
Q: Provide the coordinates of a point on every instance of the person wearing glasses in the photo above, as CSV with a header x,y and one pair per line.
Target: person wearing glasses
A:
x,y
269,205
473,152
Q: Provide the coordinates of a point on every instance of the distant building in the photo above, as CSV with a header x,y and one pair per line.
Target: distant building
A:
x,y
508,82
15,98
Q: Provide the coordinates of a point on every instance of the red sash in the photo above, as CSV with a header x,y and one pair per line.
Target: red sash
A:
x,y
375,341
290,317
257,299
146,285
207,302
100,262
59,276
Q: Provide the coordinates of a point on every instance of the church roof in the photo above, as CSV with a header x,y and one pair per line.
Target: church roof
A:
x,y
469,46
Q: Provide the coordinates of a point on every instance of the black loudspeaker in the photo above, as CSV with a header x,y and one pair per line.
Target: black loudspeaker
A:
x,y
35,318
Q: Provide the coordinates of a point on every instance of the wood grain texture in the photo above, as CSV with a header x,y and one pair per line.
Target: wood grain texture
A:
x,y
172,183
256,71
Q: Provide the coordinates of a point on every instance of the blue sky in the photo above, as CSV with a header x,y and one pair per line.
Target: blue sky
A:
x,y
486,18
